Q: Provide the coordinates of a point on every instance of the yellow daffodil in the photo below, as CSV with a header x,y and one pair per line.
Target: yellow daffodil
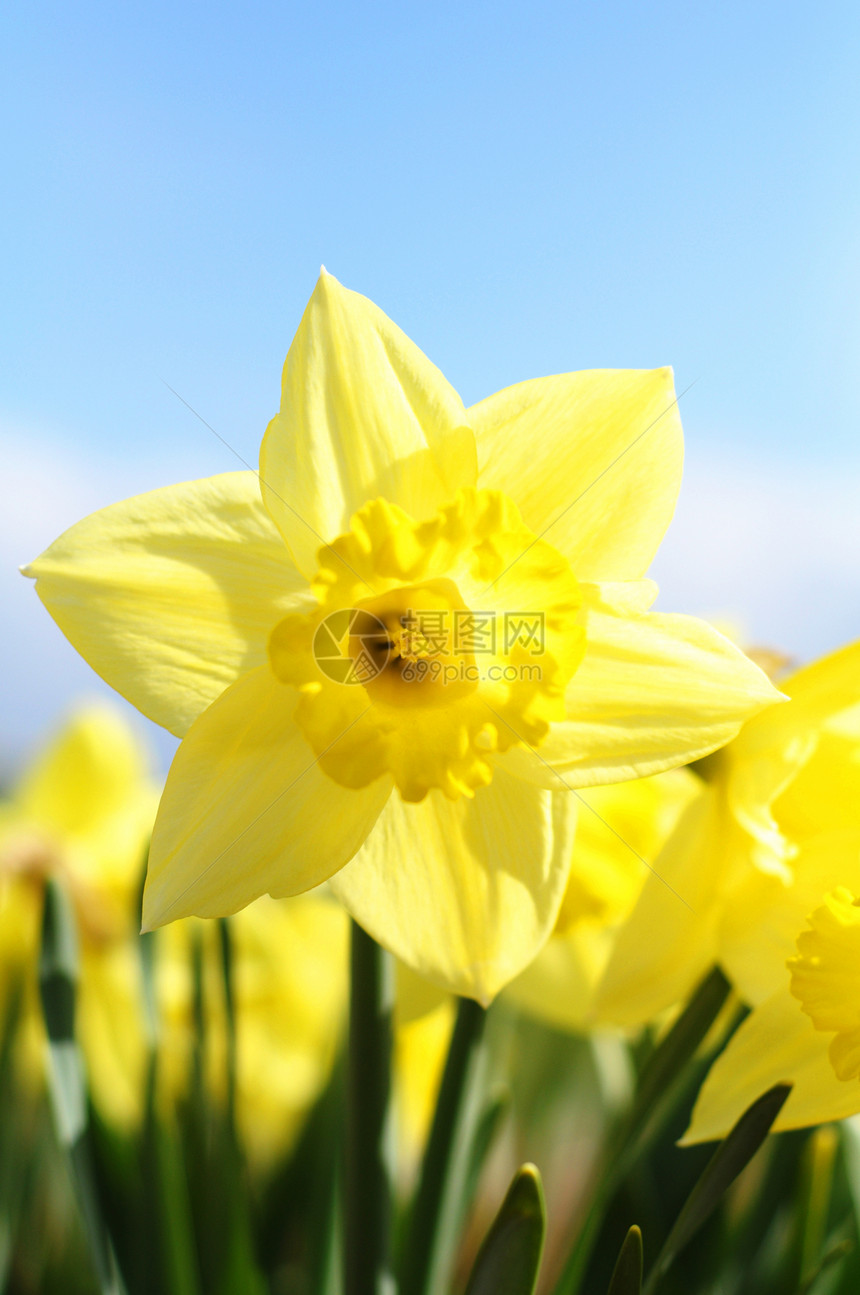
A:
x,y
81,813
391,654
620,831
764,859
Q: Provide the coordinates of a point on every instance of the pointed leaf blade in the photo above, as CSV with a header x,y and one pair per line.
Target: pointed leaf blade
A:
x,y
509,1259
627,1274
731,1156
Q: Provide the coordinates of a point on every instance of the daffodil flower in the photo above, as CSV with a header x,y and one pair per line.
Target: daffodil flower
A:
x,y
391,654
82,812
758,856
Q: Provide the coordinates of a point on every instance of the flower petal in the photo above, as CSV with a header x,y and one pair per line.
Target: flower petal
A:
x,y
363,413
247,810
670,939
794,768
819,693
171,595
558,986
620,831
465,892
776,1044
653,691
93,772
763,914
593,459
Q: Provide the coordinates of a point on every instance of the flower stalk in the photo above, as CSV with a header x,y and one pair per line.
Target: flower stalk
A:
x,y
435,1214
370,1150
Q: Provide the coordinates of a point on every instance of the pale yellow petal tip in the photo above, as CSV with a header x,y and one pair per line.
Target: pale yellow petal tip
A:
x,y
705,1127
327,283
28,570
151,917
691,1139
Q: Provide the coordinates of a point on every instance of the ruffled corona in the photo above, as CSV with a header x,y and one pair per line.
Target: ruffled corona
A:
x,y
825,977
433,645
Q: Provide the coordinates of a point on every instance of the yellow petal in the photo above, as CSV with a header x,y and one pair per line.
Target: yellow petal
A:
x,y
415,996
363,414
247,810
795,768
620,830
596,457
753,784
291,980
763,914
670,940
825,793
421,1047
465,892
558,986
111,1027
653,691
93,770
819,693
775,1044
171,595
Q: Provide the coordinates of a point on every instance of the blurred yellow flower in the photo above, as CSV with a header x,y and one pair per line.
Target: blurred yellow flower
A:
x,y
289,982
620,831
374,615
420,1048
774,832
82,813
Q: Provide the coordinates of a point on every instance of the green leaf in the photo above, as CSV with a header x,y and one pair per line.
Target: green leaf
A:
x,y
678,1047
225,942
508,1261
840,1252
667,1071
370,1151
627,1273
58,980
730,1157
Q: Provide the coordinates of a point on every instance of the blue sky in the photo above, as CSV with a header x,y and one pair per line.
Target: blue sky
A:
x,y
524,190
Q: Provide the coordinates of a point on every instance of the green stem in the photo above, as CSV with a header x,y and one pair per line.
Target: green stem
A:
x,y
225,940
370,1132
435,1213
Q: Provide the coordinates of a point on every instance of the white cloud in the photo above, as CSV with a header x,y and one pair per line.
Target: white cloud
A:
x,y
772,546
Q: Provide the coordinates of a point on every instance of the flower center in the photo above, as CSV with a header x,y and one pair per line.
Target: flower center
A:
x,y
434,644
825,977
412,635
